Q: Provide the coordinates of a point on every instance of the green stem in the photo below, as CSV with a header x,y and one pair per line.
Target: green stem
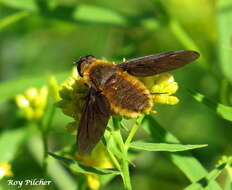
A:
x,y
45,145
111,154
133,130
125,165
124,148
224,91
49,122
126,173
45,148
44,132
114,160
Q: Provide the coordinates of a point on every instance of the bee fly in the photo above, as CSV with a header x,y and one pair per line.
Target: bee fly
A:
x,y
114,88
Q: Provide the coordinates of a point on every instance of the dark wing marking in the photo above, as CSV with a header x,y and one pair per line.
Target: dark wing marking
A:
x,y
158,63
93,121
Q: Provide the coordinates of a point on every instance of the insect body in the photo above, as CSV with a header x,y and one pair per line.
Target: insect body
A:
x,y
114,88
126,94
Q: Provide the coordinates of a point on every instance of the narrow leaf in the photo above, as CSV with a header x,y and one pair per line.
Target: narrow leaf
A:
x,y
205,181
12,19
55,171
98,14
10,142
189,165
80,168
163,146
223,111
29,5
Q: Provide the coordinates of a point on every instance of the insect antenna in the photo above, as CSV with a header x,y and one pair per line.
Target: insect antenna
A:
x,y
159,93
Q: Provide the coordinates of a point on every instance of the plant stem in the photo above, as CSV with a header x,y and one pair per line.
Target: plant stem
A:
x,y
49,122
126,173
124,165
40,126
133,130
44,132
114,160
45,149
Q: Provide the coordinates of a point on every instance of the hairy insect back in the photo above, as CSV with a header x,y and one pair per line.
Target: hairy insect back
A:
x,y
99,73
126,94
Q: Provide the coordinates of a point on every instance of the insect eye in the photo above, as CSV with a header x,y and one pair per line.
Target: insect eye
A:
x,y
89,59
83,63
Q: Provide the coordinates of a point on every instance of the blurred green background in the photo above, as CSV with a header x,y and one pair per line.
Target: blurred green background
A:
x,y
43,37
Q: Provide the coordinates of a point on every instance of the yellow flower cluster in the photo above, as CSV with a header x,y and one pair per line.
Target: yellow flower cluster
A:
x,y
5,170
73,93
33,102
162,87
98,158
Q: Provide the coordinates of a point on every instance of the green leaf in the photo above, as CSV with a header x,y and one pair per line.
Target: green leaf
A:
x,y
223,111
208,179
12,19
96,14
10,142
163,146
29,5
228,183
189,165
82,13
76,167
56,172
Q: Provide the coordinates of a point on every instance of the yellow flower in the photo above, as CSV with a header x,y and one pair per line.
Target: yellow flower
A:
x,y
73,93
162,86
54,88
33,102
98,158
5,170
93,181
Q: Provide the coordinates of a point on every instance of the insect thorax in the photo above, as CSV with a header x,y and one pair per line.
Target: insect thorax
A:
x,y
99,73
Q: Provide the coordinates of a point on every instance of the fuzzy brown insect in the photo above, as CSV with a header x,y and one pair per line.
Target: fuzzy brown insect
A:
x,y
115,88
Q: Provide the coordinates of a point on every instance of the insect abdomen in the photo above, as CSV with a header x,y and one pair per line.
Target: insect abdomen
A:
x,y
127,95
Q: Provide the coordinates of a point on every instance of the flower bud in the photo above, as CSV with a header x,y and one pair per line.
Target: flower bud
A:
x,y
5,170
33,103
54,88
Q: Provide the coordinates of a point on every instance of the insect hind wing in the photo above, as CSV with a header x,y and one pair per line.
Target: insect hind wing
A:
x,y
93,121
158,63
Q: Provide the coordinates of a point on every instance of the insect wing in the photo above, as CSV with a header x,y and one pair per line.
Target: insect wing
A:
x,y
158,63
93,121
